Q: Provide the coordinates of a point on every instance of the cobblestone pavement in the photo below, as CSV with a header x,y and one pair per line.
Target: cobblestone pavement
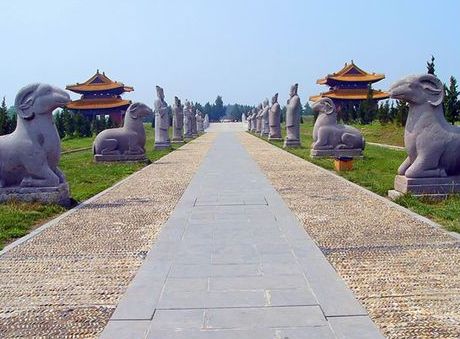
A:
x,y
67,280
404,270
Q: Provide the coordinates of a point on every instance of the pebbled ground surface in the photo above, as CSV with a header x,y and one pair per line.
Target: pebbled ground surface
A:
x,y
66,281
403,270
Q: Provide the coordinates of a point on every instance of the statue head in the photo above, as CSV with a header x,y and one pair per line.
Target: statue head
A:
x,y
177,101
266,102
138,110
160,92
260,107
293,90
35,99
187,104
419,89
324,106
275,99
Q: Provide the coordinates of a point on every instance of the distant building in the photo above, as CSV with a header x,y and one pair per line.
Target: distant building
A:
x,y
100,96
349,86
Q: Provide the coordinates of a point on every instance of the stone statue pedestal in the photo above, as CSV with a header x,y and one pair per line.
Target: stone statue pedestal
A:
x,y
334,153
177,141
275,138
48,195
119,157
162,145
437,188
291,143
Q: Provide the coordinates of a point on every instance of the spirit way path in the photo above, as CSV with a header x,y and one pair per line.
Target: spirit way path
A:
x,y
232,261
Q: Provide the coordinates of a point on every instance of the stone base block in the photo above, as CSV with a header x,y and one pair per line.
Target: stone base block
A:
x,y
49,195
427,186
119,157
275,138
291,143
162,145
334,153
264,135
178,141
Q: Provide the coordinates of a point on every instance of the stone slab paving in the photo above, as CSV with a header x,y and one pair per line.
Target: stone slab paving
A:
x,y
67,278
402,267
232,261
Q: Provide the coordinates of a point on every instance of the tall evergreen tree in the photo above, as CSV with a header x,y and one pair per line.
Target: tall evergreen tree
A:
x,y
3,118
366,108
451,103
383,113
402,111
218,109
59,123
68,121
430,66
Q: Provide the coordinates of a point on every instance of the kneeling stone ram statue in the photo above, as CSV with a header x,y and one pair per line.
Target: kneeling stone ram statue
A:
x,y
30,155
125,143
331,139
432,166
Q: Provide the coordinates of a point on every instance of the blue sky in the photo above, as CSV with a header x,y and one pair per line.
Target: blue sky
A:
x,y
242,50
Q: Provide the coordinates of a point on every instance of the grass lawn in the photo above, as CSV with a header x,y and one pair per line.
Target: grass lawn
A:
x,y
376,172
85,178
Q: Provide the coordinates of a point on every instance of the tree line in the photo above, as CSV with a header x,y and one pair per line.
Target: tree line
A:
x,y
70,124
396,111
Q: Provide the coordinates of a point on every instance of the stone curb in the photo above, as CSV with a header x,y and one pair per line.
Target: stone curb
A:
x,y
54,221
394,147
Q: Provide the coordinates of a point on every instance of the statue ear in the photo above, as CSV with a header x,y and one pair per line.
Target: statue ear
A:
x,y
133,110
329,106
25,100
434,88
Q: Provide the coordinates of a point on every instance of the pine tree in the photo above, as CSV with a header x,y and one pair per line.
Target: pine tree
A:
x,y
3,118
59,123
111,124
12,120
430,66
68,121
402,111
451,103
366,108
384,113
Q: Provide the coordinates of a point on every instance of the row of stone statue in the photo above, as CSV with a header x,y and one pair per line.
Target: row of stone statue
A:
x,y
266,119
329,138
187,122
432,166
127,143
29,156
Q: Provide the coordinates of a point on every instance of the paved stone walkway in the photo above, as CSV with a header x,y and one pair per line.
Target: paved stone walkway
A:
x,y
232,261
403,268
66,281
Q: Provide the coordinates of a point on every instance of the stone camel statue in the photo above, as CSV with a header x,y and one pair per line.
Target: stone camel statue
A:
x,y
432,144
328,135
126,140
30,155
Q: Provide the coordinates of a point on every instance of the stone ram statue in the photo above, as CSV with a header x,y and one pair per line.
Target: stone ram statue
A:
x,y
432,144
331,139
29,156
126,143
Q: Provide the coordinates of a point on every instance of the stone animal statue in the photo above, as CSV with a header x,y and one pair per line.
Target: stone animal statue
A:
x,y
328,135
30,155
126,140
432,144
